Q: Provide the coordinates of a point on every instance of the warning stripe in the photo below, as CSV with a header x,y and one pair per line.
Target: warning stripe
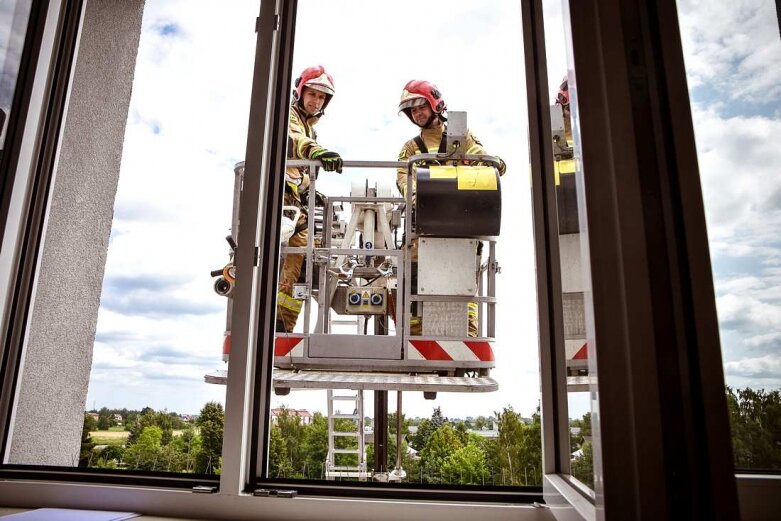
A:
x,y
284,345
471,351
482,350
226,343
582,353
427,350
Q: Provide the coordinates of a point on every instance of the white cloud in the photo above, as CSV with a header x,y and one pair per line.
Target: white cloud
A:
x,y
766,367
731,46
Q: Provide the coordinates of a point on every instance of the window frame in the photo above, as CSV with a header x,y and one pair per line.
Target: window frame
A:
x,y
599,47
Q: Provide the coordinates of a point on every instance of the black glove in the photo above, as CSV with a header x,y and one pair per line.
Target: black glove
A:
x,y
331,161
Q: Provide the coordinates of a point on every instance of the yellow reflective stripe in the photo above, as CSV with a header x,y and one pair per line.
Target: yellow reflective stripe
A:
x,y
293,187
476,178
286,301
471,309
443,172
565,166
475,149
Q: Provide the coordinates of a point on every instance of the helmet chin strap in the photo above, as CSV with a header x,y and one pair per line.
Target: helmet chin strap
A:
x,y
430,121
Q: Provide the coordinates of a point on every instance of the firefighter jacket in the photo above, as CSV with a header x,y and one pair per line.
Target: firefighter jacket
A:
x,y
302,144
432,138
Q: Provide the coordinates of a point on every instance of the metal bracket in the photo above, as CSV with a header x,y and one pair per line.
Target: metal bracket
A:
x,y
270,492
204,489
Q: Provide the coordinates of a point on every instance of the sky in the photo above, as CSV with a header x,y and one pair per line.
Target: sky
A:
x,y
160,324
13,26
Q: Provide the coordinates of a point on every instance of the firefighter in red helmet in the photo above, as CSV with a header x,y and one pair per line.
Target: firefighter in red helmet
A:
x,y
313,90
562,99
422,102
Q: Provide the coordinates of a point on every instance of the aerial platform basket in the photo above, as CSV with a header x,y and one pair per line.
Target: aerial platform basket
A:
x,y
368,274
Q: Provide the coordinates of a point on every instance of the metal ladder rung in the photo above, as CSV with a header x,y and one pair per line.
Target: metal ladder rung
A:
x,y
346,451
345,398
346,416
353,434
342,468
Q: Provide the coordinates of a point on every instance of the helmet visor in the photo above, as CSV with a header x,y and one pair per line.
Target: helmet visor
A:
x,y
414,102
326,89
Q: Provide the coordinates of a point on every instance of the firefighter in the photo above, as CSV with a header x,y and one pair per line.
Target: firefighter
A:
x,y
423,104
313,90
562,99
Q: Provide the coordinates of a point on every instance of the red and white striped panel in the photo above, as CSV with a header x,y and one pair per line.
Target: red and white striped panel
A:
x,y
446,350
289,346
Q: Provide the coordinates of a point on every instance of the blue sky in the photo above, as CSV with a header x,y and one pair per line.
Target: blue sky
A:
x,y
160,325
732,53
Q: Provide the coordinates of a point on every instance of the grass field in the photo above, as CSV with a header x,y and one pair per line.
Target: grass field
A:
x,y
114,437
111,437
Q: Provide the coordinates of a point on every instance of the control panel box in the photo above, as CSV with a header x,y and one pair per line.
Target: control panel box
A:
x,y
366,300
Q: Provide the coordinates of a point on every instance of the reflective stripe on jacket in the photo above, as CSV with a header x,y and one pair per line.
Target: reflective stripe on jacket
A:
x,y
302,143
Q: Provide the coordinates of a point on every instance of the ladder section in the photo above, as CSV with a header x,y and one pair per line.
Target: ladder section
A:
x,y
346,444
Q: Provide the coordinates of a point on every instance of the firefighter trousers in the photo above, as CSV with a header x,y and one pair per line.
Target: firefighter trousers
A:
x,y
289,308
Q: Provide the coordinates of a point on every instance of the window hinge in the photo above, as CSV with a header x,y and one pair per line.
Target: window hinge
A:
x,y
266,492
276,23
256,262
204,489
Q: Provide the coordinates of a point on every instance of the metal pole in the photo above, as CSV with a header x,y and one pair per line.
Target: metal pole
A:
x,y
380,432
398,430
380,412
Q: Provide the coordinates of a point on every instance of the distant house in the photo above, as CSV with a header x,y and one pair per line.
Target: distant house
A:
x,y
306,416
491,434
118,419
93,415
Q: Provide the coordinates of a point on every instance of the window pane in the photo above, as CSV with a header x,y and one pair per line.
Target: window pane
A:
x,y
14,16
126,323
579,346
465,438
731,51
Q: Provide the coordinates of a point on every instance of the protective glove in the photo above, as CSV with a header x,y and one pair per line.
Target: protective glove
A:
x,y
331,160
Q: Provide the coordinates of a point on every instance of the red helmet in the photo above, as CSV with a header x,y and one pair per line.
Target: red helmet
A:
x,y
315,78
418,92
562,98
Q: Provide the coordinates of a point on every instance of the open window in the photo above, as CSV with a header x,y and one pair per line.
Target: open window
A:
x,y
607,222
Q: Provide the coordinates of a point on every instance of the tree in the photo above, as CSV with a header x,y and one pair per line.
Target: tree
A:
x,y
145,453
583,465
315,446
426,428
441,444
105,419
85,452
466,466
211,422
279,465
517,459
755,417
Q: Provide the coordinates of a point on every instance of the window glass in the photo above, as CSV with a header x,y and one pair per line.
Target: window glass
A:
x,y
731,52
126,330
14,16
579,345
472,53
